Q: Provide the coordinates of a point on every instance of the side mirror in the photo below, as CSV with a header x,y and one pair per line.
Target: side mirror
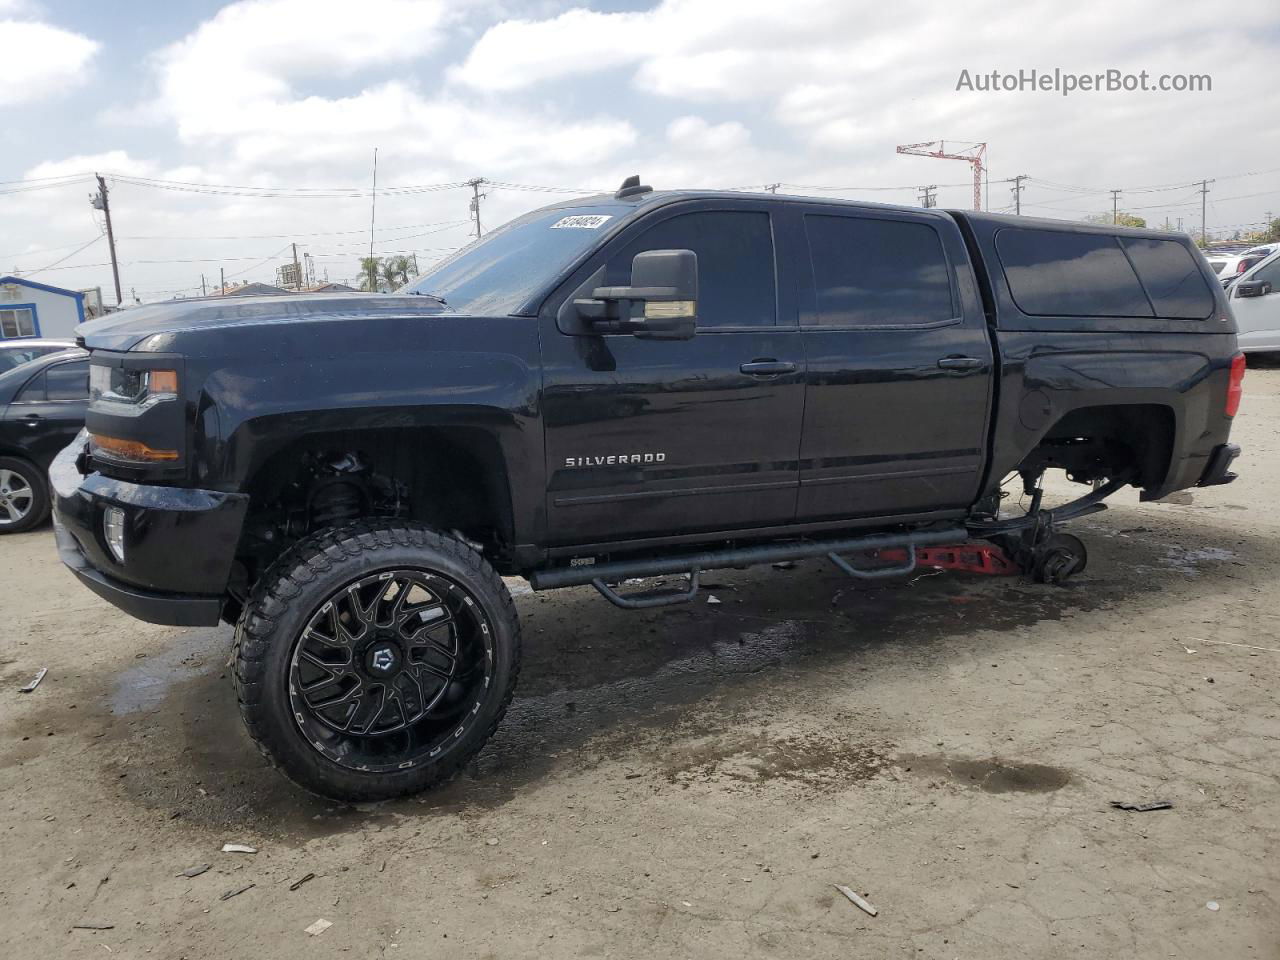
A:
x,y
664,286
1253,288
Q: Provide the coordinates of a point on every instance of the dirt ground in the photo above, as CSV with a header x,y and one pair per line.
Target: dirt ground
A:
x,y
692,783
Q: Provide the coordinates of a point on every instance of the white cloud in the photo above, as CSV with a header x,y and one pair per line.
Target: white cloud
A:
x,y
115,161
696,134
517,53
239,81
241,65
40,60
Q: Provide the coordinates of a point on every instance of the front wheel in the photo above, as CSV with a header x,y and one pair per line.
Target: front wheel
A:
x,y
373,660
24,496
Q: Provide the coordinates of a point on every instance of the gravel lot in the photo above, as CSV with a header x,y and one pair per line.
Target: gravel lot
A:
x,y
692,783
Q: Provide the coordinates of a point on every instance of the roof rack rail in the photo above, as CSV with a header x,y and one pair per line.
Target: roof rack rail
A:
x,y
632,187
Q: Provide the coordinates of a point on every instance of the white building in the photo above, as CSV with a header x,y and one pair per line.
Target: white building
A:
x,y
30,309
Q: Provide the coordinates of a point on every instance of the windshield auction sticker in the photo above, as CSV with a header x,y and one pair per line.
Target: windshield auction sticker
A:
x,y
582,222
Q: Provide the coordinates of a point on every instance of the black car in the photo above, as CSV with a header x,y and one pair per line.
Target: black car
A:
x,y
42,405
14,353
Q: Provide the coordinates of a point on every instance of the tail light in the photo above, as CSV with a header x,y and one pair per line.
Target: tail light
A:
x,y
1242,266
1235,385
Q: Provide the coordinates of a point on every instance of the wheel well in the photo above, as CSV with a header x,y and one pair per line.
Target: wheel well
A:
x,y
451,478
1090,443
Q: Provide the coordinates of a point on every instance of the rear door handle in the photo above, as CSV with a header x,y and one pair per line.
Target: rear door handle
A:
x,y
959,363
767,368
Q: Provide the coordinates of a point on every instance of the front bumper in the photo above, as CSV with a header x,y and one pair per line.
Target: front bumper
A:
x,y
179,543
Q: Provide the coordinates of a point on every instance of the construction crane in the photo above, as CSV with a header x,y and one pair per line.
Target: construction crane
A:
x,y
974,153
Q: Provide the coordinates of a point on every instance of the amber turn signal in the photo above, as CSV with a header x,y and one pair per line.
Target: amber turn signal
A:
x,y
132,450
162,381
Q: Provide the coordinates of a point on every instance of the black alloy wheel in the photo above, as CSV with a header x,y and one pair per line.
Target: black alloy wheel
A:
x,y
374,659
390,668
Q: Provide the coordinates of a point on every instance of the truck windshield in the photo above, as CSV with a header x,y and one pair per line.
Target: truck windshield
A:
x,y
496,275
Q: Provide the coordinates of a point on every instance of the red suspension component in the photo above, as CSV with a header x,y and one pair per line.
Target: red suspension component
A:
x,y
984,558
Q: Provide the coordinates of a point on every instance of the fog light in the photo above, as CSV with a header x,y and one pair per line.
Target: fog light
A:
x,y
113,530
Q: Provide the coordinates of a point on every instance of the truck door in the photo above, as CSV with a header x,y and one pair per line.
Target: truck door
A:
x,y
899,365
657,439
1258,318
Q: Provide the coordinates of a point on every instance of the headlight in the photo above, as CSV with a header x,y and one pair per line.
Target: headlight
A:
x,y
113,531
121,385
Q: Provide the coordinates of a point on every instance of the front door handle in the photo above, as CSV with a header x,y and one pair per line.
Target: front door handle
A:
x,y
959,363
767,368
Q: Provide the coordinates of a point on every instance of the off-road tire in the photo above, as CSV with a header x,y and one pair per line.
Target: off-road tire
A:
x,y
286,597
35,478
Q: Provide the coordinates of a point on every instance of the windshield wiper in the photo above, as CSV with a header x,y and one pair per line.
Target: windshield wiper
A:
x,y
433,296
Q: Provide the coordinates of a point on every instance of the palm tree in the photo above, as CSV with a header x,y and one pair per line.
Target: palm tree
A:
x,y
369,273
404,268
389,272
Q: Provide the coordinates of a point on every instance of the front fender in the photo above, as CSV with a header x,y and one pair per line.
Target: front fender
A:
x,y
255,406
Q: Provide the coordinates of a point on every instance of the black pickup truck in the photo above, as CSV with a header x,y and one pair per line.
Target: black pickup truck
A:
x,y
628,385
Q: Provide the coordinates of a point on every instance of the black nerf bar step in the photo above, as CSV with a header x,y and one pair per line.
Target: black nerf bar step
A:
x,y
602,574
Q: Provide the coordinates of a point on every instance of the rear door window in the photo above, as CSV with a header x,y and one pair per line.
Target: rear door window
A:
x,y
873,272
1172,277
33,392
68,381
1053,273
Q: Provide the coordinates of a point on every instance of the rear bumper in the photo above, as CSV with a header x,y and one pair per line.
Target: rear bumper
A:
x,y
179,543
1218,470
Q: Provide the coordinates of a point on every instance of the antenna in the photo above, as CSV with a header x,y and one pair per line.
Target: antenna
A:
x,y
373,219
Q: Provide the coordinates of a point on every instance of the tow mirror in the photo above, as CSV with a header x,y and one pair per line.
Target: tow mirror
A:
x,y
1253,288
660,304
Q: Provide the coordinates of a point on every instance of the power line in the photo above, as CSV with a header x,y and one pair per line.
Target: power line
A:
x,y
54,265
323,233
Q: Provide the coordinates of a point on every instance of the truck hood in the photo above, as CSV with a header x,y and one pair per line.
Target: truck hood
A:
x,y
153,327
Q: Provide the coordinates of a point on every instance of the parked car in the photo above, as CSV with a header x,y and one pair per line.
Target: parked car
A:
x,y
1255,301
42,407
630,385
1263,249
15,352
1230,268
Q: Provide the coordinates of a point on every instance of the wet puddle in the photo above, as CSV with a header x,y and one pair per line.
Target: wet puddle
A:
x,y
993,775
145,685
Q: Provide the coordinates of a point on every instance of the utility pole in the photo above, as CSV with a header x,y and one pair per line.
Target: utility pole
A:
x,y
415,263
1204,198
928,196
1017,193
476,197
297,270
1115,206
222,289
772,187
203,291
101,202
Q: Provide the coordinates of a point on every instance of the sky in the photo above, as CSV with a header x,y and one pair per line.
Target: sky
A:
x,y
229,131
